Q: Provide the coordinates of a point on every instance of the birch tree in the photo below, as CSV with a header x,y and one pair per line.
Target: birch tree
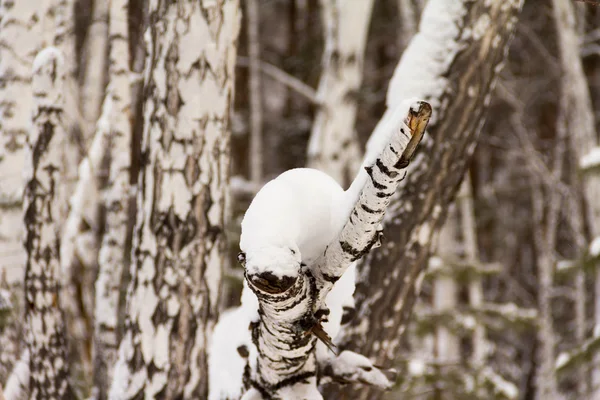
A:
x,y
45,337
96,50
283,362
179,244
576,119
22,21
112,255
333,145
473,38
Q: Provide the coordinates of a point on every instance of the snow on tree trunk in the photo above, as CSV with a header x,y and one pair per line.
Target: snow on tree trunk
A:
x,y
179,243
452,62
112,255
291,308
333,145
45,337
576,115
92,91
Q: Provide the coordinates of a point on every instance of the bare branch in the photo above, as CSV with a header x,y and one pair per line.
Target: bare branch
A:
x,y
284,78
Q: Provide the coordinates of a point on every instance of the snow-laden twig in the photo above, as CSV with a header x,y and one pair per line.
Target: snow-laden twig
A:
x,y
350,367
292,301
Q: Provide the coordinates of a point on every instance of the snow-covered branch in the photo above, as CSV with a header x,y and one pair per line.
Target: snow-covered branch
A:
x,y
292,295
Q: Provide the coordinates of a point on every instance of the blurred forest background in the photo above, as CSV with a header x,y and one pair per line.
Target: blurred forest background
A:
x,y
510,304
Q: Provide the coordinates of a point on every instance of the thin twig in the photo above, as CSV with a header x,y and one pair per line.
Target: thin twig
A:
x,y
283,77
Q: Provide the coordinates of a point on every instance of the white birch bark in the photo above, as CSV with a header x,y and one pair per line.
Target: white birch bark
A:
x,y
45,336
112,255
333,145
291,308
16,56
576,115
179,243
96,50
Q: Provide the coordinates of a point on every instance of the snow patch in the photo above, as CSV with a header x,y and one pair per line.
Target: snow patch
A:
x,y
591,159
595,247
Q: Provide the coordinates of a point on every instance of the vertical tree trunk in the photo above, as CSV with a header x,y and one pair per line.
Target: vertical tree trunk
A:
x,y
16,57
179,245
459,89
46,339
96,50
469,233
544,239
255,87
112,255
576,117
409,11
445,291
333,145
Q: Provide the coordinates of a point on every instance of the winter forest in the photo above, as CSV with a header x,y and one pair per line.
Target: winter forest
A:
x,y
436,234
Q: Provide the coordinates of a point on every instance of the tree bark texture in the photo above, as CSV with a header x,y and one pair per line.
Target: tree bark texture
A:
x,y
112,255
179,243
45,337
463,49
334,146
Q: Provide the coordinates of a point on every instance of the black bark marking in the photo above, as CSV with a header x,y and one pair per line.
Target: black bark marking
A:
x,y
370,210
385,170
271,283
243,351
330,278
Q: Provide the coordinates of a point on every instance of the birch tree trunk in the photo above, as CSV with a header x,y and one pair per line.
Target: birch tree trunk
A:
x,y
445,292
255,87
576,115
112,255
333,145
92,91
179,244
469,232
409,11
21,34
545,240
46,339
453,62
